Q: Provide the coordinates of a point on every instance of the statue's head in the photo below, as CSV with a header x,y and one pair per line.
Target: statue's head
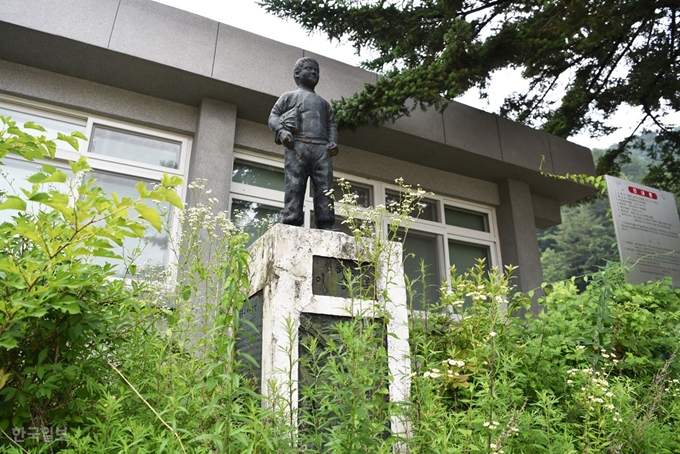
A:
x,y
306,72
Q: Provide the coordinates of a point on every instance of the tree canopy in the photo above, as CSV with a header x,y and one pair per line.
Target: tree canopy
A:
x,y
582,58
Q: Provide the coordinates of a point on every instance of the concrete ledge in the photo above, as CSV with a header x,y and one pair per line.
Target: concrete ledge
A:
x,y
338,79
462,125
524,147
546,212
90,97
153,31
271,70
82,20
568,157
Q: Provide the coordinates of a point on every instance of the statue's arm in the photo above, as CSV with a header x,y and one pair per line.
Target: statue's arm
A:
x,y
275,122
332,132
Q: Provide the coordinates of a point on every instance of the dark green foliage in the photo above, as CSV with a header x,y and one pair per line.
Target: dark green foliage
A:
x,y
583,243
596,372
583,59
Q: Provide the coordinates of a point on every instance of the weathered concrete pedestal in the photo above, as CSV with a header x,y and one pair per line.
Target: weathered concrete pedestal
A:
x,y
297,271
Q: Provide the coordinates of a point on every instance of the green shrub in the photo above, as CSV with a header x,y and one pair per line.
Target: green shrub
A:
x,y
595,372
62,317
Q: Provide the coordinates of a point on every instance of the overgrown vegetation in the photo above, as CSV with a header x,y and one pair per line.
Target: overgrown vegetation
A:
x,y
150,365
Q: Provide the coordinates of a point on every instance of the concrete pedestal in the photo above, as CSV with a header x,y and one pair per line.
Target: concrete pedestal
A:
x,y
289,277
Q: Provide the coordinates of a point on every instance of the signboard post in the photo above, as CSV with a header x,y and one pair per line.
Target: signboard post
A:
x,y
647,230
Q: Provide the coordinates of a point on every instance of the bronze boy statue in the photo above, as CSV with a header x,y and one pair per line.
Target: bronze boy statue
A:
x,y
305,124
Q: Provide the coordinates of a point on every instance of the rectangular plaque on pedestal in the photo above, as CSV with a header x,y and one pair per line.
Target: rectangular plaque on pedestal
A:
x,y
249,336
328,277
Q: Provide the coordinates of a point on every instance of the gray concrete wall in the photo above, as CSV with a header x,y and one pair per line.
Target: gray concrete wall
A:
x,y
93,98
212,156
517,233
150,64
257,137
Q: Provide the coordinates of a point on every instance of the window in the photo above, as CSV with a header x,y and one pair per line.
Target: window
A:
x,y
447,231
120,155
257,188
467,234
421,252
468,219
131,146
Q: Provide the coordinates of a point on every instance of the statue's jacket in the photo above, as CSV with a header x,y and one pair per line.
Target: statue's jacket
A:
x,y
306,115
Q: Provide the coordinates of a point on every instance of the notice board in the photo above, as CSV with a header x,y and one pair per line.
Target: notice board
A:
x,y
647,230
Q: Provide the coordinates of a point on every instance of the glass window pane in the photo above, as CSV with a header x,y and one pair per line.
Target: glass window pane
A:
x,y
256,174
466,218
422,248
50,124
254,218
13,176
135,147
362,194
427,209
465,255
154,247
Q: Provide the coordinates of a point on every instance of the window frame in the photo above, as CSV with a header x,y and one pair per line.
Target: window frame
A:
x,y
109,164
439,229
184,141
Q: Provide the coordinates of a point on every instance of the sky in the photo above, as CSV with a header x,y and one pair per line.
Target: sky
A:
x,y
247,15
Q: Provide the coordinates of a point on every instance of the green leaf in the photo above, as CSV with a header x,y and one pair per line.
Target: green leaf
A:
x,y
73,141
8,342
31,125
150,215
51,148
79,135
142,189
99,252
42,355
4,376
15,131
71,372
12,202
80,165
55,177
171,181
69,305
165,195
75,331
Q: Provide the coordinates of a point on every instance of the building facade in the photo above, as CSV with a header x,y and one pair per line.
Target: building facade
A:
x,y
158,90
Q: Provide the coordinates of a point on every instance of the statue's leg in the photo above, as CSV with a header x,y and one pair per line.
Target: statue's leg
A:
x,y
295,166
322,181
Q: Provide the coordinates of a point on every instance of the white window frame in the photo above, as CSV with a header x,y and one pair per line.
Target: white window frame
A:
x,y
443,232
109,164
